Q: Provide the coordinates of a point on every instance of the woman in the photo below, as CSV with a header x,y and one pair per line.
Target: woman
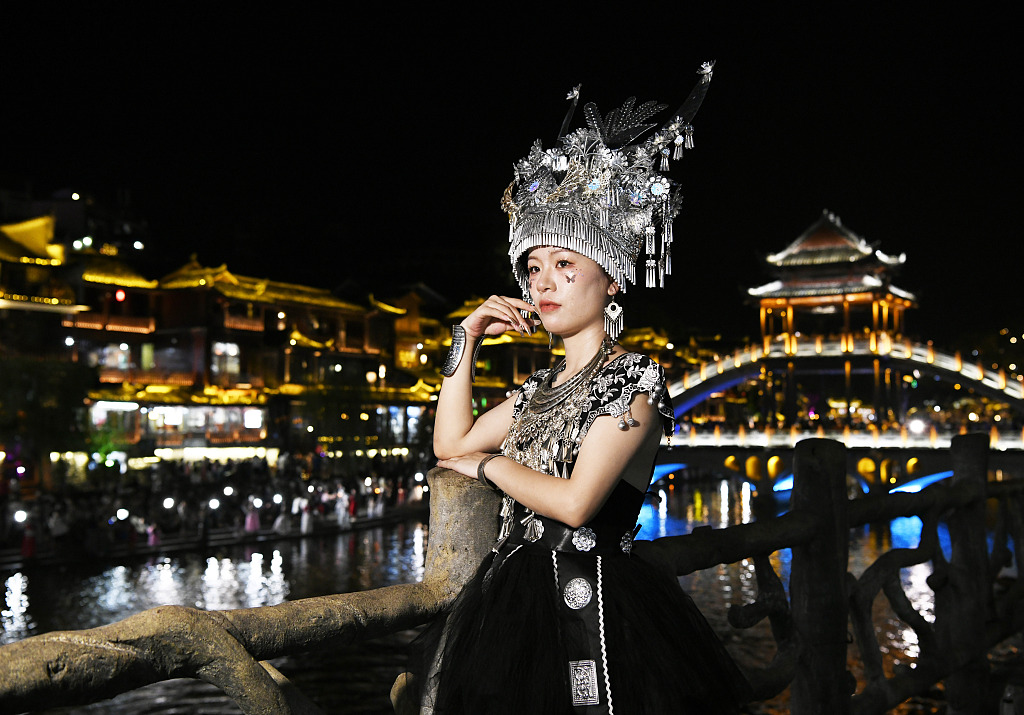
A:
x,y
561,618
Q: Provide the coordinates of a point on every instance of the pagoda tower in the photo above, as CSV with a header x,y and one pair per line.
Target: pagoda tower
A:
x,y
831,285
830,282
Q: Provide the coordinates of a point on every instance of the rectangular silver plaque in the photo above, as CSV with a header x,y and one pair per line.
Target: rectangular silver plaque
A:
x,y
583,676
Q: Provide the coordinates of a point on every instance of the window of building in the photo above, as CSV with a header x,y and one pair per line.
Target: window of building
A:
x,y
225,360
414,417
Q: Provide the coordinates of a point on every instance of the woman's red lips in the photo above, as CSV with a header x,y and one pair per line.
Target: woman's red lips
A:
x,y
547,306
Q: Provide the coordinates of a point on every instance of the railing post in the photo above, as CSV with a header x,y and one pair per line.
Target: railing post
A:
x,y
962,597
817,584
463,526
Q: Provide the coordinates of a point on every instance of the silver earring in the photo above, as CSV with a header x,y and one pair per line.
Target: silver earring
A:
x,y
613,319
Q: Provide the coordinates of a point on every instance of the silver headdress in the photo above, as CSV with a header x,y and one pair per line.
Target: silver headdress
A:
x,y
599,194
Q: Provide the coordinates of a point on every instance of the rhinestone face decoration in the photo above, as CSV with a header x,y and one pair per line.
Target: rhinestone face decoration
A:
x,y
584,539
577,593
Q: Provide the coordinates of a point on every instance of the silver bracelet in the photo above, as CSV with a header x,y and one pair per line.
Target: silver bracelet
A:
x,y
454,357
481,476
451,362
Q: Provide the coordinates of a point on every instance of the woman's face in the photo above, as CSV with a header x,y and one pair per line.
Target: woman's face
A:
x,y
569,289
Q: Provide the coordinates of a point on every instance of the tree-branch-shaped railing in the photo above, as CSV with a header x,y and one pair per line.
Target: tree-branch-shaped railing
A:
x,y
972,611
229,648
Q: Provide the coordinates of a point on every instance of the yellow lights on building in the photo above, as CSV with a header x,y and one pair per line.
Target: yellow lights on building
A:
x,y
34,299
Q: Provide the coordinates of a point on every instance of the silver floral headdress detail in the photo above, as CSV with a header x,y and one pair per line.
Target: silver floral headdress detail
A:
x,y
600,194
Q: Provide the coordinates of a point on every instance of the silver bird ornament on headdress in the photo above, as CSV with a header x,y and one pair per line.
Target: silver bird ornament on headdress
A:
x,y
599,194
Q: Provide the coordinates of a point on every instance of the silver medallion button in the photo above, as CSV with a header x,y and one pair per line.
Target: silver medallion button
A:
x,y
577,593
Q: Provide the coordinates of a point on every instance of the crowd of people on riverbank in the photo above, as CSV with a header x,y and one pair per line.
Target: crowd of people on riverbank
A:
x,y
192,500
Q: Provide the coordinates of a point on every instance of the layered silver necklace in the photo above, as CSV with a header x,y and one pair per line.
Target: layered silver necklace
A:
x,y
544,436
547,428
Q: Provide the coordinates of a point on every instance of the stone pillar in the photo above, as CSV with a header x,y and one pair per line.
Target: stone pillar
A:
x,y
463,527
790,410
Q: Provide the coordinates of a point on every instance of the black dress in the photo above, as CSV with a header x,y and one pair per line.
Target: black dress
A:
x,y
562,620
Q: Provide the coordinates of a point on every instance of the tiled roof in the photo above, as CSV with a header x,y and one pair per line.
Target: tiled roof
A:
x,y
257,290
827,241
110,271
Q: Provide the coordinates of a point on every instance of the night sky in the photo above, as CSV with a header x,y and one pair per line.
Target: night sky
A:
x,y
323,149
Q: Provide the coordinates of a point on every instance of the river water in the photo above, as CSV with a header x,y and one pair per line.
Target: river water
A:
x,y
356,680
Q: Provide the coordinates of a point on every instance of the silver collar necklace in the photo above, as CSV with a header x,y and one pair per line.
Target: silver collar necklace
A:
x,y
547,396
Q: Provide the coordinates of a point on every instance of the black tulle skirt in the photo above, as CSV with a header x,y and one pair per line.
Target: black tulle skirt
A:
x,y
507,644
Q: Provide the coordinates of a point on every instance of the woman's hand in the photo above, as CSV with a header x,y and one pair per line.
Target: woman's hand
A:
x,y
465,465
497,315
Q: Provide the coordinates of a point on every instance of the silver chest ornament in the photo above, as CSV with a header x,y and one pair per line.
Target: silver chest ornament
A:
x,y
577,593
534,526
584,539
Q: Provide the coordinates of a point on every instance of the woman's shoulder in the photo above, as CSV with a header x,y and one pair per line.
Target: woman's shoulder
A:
x,y
629,368
621,380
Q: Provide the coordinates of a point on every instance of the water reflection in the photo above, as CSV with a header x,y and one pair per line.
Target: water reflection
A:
x,y
80,596
15,616
680,508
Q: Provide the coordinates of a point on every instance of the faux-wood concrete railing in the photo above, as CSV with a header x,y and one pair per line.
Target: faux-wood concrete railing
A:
x,y
228,648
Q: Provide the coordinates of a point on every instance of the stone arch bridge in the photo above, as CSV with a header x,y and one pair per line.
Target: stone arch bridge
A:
x,y
875,458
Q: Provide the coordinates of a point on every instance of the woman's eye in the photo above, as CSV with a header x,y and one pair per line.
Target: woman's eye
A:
x,y
532,269
564,263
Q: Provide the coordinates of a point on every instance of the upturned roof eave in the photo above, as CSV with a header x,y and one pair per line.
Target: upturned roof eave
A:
x,y
773,290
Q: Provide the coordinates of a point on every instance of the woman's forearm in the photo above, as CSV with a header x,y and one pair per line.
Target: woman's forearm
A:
x,y
454,417
560,499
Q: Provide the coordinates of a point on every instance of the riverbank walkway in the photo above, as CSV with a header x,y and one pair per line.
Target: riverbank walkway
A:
x,y
12,559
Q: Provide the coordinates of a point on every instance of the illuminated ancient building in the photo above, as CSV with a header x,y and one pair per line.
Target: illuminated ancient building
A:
x,y
831,282
830,286
32,298
205,362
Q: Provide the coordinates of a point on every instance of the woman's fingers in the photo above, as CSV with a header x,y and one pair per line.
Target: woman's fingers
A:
x,y
465,465
502,313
